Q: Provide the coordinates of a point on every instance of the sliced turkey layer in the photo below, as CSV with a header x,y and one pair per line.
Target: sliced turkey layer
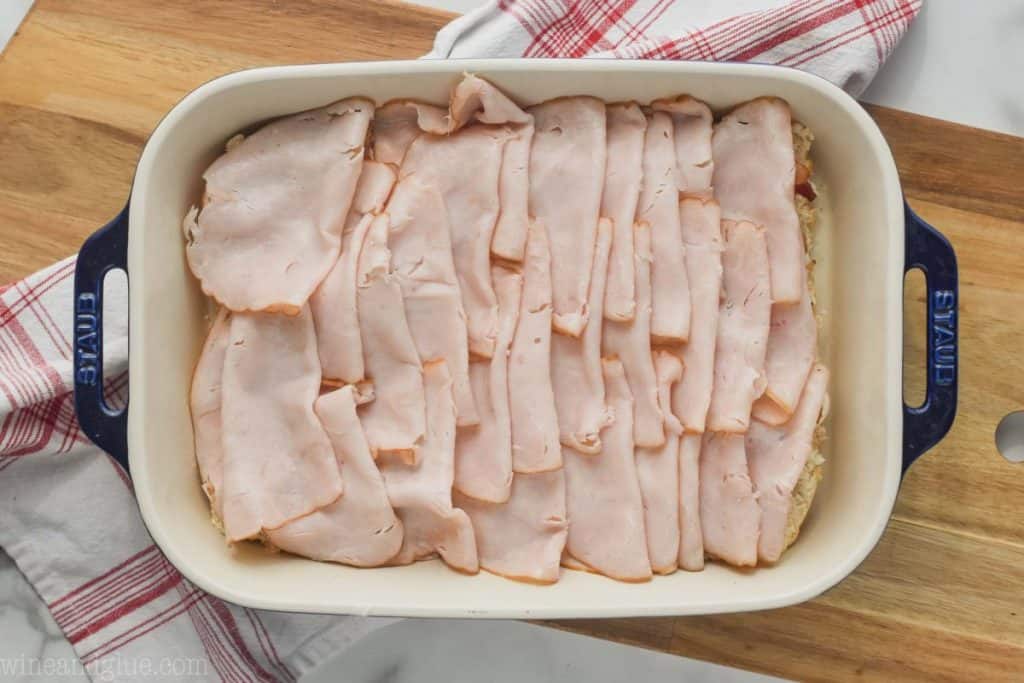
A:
x,y
399,122
474,99
567,169
483,453
535,436
753,180
576,365
744,318
205,403
523,538
692,126
622,180
792,345
359,528
464,167
631,343
657,471
421,257
421,493
701,226
729,516
606,529
334,301
278,461
659,207
777,456
394,420
691,539
275,204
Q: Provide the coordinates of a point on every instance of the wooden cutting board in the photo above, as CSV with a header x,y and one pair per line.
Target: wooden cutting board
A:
x,y
942,596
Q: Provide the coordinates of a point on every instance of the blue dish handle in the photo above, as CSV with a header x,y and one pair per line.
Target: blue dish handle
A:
x,y
105,250
928,250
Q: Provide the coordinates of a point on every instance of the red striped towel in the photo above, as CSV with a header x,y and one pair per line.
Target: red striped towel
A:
x,y
69,518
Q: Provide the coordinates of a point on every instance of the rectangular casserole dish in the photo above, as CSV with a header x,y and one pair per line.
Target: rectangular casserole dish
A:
x,y
866,240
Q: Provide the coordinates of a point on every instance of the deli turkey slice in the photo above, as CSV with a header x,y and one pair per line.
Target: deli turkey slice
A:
x,y
744,317
691,538
483,453
205,403
394,420
659,207
754,176
421,257
576,375
398,123
729,515
631,343
792,346
333,303
657,470
464,168
421,493
278,461
691,124
359,528
275,204
606,515
535,436
522,538
567,171
622,179
777,456
702,232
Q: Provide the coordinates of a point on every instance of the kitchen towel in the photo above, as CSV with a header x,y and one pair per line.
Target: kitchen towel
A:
x,y
67,513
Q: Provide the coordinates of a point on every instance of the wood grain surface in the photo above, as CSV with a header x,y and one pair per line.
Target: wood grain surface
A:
x,y
942,596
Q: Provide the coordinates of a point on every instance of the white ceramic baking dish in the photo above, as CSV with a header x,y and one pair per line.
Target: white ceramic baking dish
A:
x,y
866,239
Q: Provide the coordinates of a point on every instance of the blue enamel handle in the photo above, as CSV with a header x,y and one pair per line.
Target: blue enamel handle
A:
x,y
105,250
928,250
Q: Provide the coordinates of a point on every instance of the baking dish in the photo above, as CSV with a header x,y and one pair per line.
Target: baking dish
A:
x,y
867,239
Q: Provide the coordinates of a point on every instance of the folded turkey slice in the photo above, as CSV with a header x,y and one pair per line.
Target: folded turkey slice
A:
x,y
205,403
691,538
359,528
398,122
744,318
702,232
777,456
464,168
274,208
394,420
474,99
483,453
630,342
622,179
606,529
692,128
576,365
792,347
657,471
729,515
334,301
754,180
535,436
659,208
421,493
567,171
278,461
421,258
522,538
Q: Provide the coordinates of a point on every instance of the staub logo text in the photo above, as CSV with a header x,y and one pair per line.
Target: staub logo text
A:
x,y
944,337
87,342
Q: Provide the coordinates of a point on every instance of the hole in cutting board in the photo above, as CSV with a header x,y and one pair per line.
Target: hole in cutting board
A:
x,y
1010,436
914,339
